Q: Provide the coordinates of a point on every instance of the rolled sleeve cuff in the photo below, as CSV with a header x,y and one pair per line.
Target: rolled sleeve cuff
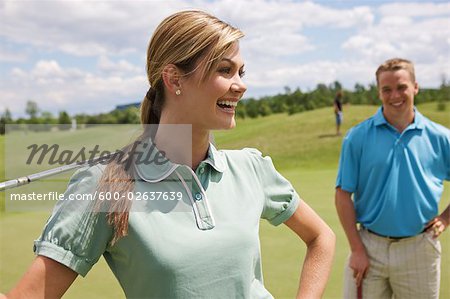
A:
x,y
346,188
63,256
289,209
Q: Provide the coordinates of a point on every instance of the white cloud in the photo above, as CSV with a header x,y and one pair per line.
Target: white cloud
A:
x,y
8,55
275,27
120,68
56,88
312,73
419,32
282,40
415,9
89,28
82,27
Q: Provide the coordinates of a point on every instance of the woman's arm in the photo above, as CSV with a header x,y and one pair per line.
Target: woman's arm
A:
x,y
45,278
320,241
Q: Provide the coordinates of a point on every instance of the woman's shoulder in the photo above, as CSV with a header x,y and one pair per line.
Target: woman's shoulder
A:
x,y
244,153
87,177
247,156
91,171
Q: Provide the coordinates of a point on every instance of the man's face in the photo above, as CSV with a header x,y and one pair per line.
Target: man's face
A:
x,y
397,90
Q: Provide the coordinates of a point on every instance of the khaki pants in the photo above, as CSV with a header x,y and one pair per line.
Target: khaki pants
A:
x,y
402,269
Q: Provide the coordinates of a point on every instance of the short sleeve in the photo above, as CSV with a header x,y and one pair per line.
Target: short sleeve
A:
x,y
75,235
348,172
280,198
446,154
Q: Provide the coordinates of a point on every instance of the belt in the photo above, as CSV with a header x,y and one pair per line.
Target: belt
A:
x,y
388,237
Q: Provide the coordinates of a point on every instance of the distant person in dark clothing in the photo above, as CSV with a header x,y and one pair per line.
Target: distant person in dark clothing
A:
x,y
338,111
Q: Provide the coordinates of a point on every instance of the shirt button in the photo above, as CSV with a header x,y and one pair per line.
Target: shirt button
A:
x,y
198,196
202,170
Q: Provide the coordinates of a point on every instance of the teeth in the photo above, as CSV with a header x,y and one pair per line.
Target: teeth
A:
x,y
397,104
228,103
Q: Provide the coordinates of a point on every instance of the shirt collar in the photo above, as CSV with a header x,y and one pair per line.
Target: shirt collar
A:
x,y
155,167
418,122
378,118
215,158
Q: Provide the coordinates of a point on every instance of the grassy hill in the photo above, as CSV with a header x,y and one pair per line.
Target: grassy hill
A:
x,y
304,149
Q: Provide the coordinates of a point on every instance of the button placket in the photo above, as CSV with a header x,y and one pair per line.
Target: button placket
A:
x,y
197,195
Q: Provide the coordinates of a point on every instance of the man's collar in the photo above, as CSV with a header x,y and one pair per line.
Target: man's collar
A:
x,y
418,122
378,118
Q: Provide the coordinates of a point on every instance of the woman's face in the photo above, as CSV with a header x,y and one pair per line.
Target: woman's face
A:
x,y
211,104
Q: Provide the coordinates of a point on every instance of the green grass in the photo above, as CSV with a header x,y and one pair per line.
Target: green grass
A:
x,y
303,149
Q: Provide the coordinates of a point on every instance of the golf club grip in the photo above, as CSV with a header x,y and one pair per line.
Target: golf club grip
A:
x,y
359,291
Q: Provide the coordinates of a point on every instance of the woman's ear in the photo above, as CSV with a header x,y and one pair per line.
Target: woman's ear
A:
x,y
416,88
171,76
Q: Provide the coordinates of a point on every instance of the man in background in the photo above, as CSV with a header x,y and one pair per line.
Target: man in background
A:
x,y
394,164
338,111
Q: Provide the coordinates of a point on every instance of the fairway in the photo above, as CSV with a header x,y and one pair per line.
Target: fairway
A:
x,y
304,150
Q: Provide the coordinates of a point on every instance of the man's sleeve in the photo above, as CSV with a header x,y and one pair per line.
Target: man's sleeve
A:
x,y
349,163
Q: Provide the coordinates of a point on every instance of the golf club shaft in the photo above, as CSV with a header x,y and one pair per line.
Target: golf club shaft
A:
x,y
50,172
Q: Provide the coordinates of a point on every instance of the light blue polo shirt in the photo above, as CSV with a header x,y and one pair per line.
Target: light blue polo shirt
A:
x,y
397,179
209,250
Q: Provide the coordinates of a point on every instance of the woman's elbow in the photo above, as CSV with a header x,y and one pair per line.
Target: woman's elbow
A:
x,y
326,240
329,237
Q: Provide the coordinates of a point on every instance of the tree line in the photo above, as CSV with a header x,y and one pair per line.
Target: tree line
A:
x,y
290,102
296,101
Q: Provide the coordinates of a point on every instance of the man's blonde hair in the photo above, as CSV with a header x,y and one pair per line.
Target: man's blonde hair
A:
x,y
396,64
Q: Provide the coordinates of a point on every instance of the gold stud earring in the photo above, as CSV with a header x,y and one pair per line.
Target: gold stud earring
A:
x,y
178,92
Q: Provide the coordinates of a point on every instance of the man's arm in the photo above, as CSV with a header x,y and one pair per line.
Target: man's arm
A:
x,y
45,278
320,241
336,108
359,260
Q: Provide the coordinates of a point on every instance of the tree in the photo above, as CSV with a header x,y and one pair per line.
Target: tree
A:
x,y
64,120
47,117
287,90
264,108
336,86
32,109
251,108
240,110
7,116
4,120
129,115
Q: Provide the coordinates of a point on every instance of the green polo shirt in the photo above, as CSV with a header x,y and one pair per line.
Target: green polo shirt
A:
x,y
205,245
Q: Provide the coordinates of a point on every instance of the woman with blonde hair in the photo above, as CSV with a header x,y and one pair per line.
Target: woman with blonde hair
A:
x,y
162,249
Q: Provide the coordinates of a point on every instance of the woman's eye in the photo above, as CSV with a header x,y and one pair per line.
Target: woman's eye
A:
x,y
241,74
225,70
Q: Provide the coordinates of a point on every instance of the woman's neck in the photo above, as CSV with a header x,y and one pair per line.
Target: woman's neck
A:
x,y
177,140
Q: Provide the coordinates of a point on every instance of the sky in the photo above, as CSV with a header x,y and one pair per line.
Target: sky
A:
x,y
85,56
